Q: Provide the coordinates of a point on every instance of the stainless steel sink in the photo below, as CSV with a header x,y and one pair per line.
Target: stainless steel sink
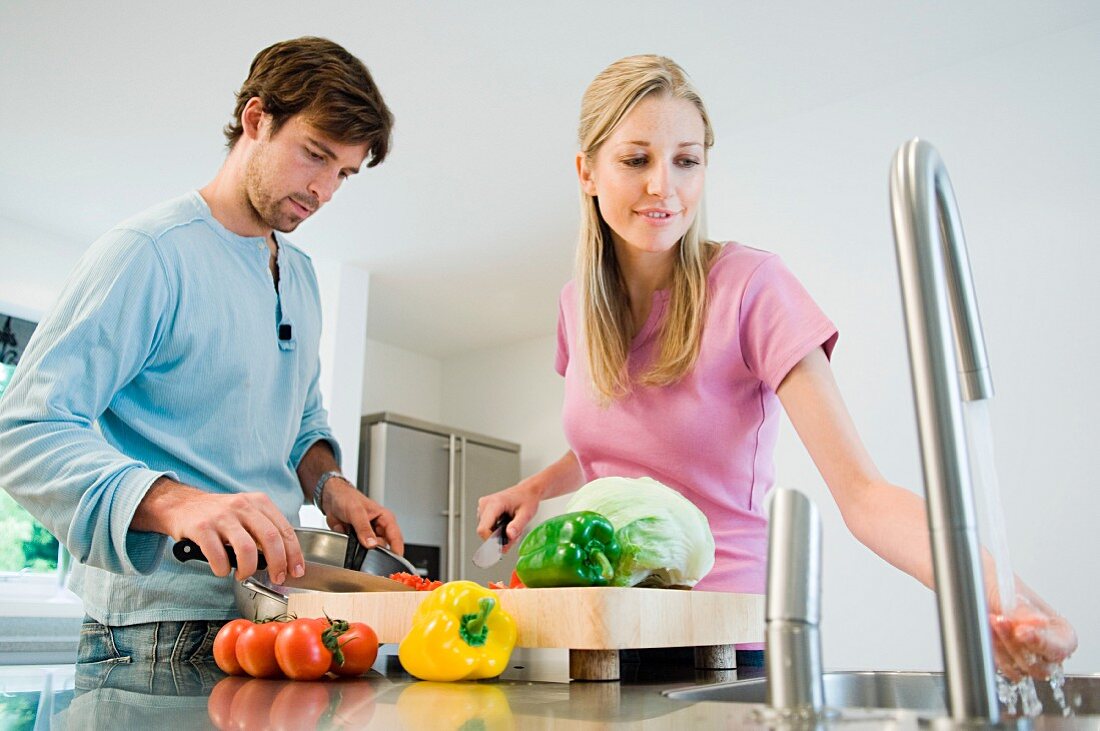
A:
x,y
920,692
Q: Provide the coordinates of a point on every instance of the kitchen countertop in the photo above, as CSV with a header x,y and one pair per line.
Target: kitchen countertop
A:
x,y
535,693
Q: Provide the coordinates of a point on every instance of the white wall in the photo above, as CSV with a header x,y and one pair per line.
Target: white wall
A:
x,y
345,293
33,266
510,392
345,290
814,189
401,381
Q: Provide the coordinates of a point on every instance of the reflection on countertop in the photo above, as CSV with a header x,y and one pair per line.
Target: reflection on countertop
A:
x,y
535,693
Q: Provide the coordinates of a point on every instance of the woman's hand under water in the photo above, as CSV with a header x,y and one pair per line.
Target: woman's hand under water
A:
x,y
1032,639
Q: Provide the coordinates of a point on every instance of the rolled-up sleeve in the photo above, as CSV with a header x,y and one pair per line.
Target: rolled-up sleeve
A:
x,y
104,330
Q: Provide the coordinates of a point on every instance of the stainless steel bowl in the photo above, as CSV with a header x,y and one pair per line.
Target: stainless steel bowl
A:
x,y
381,561
259,598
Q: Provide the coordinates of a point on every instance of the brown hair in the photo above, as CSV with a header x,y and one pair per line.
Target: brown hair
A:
x,y
330,87
604,302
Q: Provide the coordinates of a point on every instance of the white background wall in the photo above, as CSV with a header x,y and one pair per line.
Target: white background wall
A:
x,y
403,382
1017,130
33,264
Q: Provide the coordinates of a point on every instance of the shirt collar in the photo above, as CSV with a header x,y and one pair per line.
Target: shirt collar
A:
x,y
250,241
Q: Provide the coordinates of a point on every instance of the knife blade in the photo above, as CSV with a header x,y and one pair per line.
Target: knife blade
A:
x,y
317,577
490,552
322,577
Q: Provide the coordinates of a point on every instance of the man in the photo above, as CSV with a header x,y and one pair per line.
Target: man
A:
x,y
174,389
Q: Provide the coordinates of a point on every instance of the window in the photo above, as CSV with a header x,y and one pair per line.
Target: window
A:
x,y
5,376
25,546
14,335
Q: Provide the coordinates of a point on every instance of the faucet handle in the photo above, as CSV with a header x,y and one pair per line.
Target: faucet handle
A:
x,y
794,559
793,607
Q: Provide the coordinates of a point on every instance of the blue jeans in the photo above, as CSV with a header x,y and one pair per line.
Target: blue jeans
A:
x,y
170,658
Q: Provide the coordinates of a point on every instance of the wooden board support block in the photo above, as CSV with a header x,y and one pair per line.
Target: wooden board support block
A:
x,y
594,664
715,657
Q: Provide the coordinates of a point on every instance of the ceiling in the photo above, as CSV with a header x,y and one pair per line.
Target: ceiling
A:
x,y
468,227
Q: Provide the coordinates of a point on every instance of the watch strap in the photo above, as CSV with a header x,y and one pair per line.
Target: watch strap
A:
x,y
319,488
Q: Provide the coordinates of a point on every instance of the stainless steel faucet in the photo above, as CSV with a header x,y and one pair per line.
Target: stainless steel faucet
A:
x,y
793,606
943,329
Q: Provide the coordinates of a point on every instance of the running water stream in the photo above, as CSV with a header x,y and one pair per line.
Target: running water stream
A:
x,y
991,522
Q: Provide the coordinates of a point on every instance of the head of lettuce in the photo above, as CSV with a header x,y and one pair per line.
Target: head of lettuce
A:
x,y
665,540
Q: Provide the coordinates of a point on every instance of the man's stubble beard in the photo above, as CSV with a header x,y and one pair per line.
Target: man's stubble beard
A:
x,y
265,208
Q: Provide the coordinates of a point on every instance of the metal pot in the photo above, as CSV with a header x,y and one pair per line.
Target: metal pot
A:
x,y
259,598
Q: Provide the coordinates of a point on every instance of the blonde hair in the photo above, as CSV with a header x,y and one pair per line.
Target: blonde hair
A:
x,y
606,321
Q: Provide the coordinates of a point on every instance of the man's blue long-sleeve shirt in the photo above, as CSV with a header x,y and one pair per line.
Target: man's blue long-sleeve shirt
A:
x,y
167,338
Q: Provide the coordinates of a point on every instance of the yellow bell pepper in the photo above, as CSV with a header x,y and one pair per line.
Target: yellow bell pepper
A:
x,y
458,633
428,706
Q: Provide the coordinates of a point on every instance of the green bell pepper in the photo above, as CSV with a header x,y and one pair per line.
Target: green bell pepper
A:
x,y
575,549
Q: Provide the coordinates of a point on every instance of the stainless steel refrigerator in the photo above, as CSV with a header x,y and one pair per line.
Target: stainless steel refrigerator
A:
x,y
431,477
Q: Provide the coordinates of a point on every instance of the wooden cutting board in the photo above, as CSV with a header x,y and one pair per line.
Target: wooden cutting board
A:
x,y
584,619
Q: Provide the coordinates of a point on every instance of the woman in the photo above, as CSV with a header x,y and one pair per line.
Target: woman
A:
x,y
678,354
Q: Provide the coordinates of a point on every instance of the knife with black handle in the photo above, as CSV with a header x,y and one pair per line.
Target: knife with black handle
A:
x,y
317,577
490,552
188,550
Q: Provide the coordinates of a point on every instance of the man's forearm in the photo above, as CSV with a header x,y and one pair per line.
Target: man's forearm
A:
x,y
317,460
161,501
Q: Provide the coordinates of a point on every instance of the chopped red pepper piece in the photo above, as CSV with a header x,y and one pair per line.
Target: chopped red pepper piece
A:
x,y
417,582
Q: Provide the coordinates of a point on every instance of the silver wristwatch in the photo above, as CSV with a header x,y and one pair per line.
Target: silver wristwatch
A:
x,y
319,488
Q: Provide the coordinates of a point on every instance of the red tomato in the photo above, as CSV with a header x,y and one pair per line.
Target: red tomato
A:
x,y
220,702
300,651
360,648
300,706
355,706
256,650
251,706
225,646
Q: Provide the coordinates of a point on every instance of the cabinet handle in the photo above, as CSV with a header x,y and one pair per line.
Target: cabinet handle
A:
x,y
462,528
451,510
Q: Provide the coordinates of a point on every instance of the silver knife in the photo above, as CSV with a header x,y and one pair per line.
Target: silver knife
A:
x,y
493,548
318,576
322,577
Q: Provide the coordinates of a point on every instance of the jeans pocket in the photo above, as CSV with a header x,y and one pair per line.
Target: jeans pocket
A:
x,y
97,645
197,641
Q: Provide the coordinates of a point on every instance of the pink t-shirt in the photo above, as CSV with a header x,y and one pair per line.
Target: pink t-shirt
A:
x,y
712,434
